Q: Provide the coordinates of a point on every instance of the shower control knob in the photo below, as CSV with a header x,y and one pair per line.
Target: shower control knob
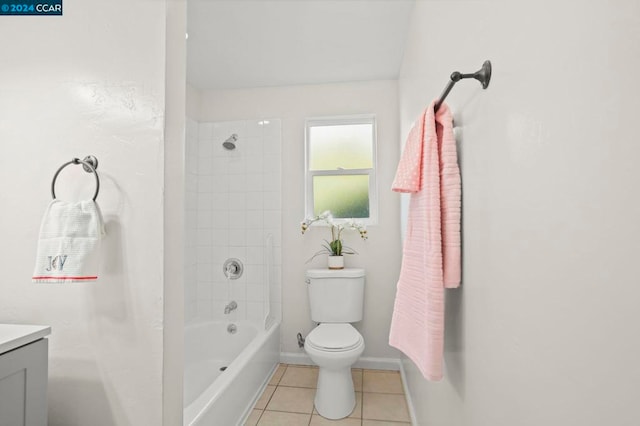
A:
x,y
232,269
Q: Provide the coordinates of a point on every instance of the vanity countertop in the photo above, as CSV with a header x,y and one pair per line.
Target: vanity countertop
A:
x,y
15,335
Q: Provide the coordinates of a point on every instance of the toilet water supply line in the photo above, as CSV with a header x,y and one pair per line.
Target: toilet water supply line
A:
x,y
300,340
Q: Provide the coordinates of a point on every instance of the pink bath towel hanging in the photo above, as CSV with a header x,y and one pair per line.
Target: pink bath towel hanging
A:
x,y
428,169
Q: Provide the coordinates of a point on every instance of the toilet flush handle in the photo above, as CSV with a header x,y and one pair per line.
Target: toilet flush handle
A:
x,y
308,281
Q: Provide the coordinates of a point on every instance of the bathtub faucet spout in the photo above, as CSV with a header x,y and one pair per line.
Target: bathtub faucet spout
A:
x,y
230,307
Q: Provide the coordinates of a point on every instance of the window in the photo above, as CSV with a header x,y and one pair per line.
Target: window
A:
x,y
340,165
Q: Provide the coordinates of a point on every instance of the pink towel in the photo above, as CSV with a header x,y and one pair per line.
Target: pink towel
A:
x,y
428,170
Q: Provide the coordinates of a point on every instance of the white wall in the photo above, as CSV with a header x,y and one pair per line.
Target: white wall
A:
x,y
174,233
89,82
193,102
544,329
379,255
191,218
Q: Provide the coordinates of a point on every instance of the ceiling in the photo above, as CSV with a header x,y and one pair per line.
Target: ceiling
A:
x,y
256,43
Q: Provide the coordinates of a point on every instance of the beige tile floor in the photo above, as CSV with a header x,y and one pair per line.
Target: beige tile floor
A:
x,y
288,399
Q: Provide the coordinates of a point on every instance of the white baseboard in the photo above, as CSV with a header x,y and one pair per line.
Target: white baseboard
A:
x,y
301,358
295,358
372,363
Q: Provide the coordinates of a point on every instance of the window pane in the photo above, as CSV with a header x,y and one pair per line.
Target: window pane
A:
x,y
346,196
347,147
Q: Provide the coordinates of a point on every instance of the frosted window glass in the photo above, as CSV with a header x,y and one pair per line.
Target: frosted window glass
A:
x,y
346,196
338,147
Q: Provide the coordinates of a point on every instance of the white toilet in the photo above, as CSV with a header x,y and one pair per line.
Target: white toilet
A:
x,y
336,298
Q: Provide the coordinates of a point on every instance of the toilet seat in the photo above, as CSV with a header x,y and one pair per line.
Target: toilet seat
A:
x,y
334,338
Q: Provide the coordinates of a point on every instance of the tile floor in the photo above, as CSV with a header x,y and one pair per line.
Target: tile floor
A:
x,y
288,399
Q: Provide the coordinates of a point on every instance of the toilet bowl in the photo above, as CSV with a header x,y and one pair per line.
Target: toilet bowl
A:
x,y
334,348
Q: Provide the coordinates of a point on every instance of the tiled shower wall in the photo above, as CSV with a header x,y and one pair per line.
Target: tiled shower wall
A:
x,y
233,205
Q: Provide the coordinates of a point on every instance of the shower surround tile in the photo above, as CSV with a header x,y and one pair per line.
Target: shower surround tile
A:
x,y
234,204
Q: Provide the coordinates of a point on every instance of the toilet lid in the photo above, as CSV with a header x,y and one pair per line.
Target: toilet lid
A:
x,y
334,337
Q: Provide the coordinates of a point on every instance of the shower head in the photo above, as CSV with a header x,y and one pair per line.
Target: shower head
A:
x,y
230,142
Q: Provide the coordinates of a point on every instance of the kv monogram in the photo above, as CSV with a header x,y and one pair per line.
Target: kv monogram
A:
x,y
56,263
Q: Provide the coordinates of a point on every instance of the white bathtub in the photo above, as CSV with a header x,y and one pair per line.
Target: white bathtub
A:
x,y
224,398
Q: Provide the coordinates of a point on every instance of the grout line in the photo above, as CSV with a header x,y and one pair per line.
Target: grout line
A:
x,y
292,412
267,403
300,387
260,416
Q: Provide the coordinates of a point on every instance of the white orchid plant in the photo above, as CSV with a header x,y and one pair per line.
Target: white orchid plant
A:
x,y
335,247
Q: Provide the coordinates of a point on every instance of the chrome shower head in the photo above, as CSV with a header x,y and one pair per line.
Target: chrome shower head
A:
x,y
230,142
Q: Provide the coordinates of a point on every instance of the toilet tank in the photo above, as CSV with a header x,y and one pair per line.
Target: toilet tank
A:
x,y
336,295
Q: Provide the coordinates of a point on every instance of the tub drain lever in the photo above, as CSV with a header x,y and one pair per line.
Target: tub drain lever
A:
x,y
300,340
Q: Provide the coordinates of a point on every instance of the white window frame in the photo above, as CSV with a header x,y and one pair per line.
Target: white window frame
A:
x,y
309,174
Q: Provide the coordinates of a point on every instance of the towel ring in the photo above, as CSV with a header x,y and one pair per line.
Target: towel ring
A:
x,y
89,164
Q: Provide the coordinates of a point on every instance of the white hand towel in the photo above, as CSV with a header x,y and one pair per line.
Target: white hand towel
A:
x,y
69,242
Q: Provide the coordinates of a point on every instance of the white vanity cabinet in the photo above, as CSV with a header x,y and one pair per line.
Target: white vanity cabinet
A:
x,y
23,375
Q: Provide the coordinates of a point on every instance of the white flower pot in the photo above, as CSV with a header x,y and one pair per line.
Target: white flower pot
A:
x,y
335,262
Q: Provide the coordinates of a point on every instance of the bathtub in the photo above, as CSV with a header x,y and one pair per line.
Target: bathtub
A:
x,y
248,358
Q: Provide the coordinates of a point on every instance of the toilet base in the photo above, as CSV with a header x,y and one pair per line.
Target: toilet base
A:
x,y
335,396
